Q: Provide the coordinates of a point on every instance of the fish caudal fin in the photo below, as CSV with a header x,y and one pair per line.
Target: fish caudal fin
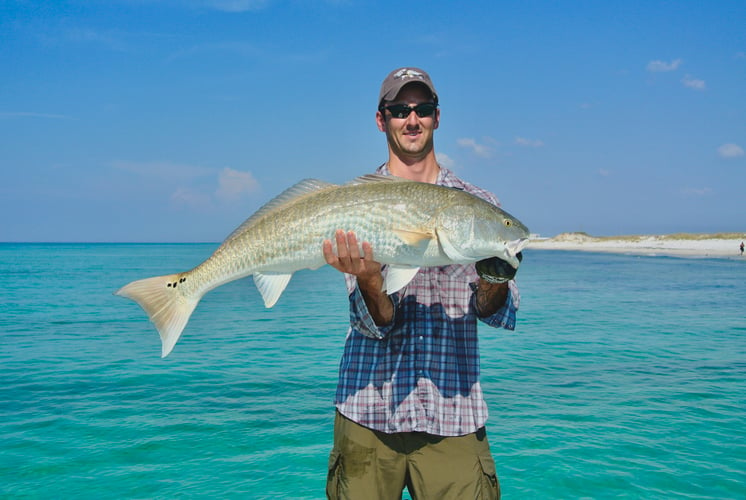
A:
x,y
167,307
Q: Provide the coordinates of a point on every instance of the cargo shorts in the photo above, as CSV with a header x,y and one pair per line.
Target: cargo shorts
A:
x,y
367,464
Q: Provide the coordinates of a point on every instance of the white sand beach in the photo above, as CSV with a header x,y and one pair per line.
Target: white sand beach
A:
x,y
723,245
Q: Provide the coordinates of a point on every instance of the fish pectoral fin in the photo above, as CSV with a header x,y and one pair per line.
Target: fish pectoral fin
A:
x,y
413,238
450,250
271,286
398,277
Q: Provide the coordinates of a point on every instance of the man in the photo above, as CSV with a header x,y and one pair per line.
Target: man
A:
x,y
410,410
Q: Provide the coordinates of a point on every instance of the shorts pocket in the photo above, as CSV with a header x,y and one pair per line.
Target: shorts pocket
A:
x,y
333,475
490,485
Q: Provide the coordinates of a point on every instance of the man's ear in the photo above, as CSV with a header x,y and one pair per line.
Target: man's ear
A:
x,y
380,121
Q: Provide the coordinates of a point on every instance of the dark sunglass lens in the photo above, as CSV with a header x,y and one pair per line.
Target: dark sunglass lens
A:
x,y
399,110
402,110
424,110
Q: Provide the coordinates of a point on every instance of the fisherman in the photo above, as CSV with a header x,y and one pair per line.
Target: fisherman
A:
x,y
410,409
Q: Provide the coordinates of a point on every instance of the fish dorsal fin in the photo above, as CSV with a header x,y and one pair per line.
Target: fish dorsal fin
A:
x,y
295,192
271,286
364,179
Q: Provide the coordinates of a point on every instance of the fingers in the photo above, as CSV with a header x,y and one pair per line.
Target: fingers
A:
x,y
367,251
342,256
347,249
329,255
348,252
348,258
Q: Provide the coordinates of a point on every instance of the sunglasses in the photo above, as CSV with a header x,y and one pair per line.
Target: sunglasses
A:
x,y
403,111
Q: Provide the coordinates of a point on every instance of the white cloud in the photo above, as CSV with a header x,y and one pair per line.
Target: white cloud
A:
x,y
445,160
175,172
730,151
239,49
705,191
113,40
192,186
236,5
234,183
663,66
475,147
529,143
28,114
604,172
693,83
194,199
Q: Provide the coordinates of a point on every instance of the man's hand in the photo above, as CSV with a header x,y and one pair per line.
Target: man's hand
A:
x,y
492,288
365,269
494,270
348,258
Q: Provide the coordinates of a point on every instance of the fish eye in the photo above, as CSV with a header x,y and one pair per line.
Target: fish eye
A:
x,y
508,222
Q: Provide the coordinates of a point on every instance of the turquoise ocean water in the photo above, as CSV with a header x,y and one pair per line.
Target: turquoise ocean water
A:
x,y
625,378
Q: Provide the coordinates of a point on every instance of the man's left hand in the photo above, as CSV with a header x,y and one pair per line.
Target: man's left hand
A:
x,y
495,270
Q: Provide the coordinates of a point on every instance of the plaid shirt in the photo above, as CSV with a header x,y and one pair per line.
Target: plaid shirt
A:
x,y
421,372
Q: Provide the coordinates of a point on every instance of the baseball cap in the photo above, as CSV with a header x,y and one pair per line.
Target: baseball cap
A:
x,y
401,77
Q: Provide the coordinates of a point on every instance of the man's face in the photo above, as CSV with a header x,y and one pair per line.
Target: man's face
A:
x,y
410,137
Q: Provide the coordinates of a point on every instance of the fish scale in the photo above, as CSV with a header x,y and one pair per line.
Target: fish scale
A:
x,y
408,224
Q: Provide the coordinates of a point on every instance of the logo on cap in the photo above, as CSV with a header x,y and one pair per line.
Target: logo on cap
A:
x,y
405,73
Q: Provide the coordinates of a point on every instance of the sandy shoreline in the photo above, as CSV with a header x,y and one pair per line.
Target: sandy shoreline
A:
x,y
721,245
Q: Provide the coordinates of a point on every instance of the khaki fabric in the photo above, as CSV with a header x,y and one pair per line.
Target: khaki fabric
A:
x,y
366,464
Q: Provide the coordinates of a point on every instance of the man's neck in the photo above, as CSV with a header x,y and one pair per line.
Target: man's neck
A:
x,y
423,170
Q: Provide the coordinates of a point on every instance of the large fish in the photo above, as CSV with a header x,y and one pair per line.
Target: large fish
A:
x,y
409,225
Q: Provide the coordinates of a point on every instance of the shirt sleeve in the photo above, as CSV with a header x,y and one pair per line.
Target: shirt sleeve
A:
x,y
505,316
360,318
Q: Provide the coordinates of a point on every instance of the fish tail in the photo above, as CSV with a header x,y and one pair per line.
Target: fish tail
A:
x,y
167,306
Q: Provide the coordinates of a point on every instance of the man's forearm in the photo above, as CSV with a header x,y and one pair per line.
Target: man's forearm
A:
x,y
380,305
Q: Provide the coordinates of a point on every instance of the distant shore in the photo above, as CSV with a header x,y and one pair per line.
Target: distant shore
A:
x,y
680,244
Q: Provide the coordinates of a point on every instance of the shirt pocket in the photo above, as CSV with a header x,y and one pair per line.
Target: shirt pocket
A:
x,y
453,283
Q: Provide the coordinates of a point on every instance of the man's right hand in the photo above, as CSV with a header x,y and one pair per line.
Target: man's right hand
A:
x,y
365,269
348,258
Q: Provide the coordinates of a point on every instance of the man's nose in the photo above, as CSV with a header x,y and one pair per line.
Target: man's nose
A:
x,y
412,118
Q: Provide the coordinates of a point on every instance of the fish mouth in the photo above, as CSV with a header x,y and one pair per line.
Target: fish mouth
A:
x,y
514,248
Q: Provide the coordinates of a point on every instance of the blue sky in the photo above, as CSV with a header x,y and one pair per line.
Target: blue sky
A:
x,y
166,120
